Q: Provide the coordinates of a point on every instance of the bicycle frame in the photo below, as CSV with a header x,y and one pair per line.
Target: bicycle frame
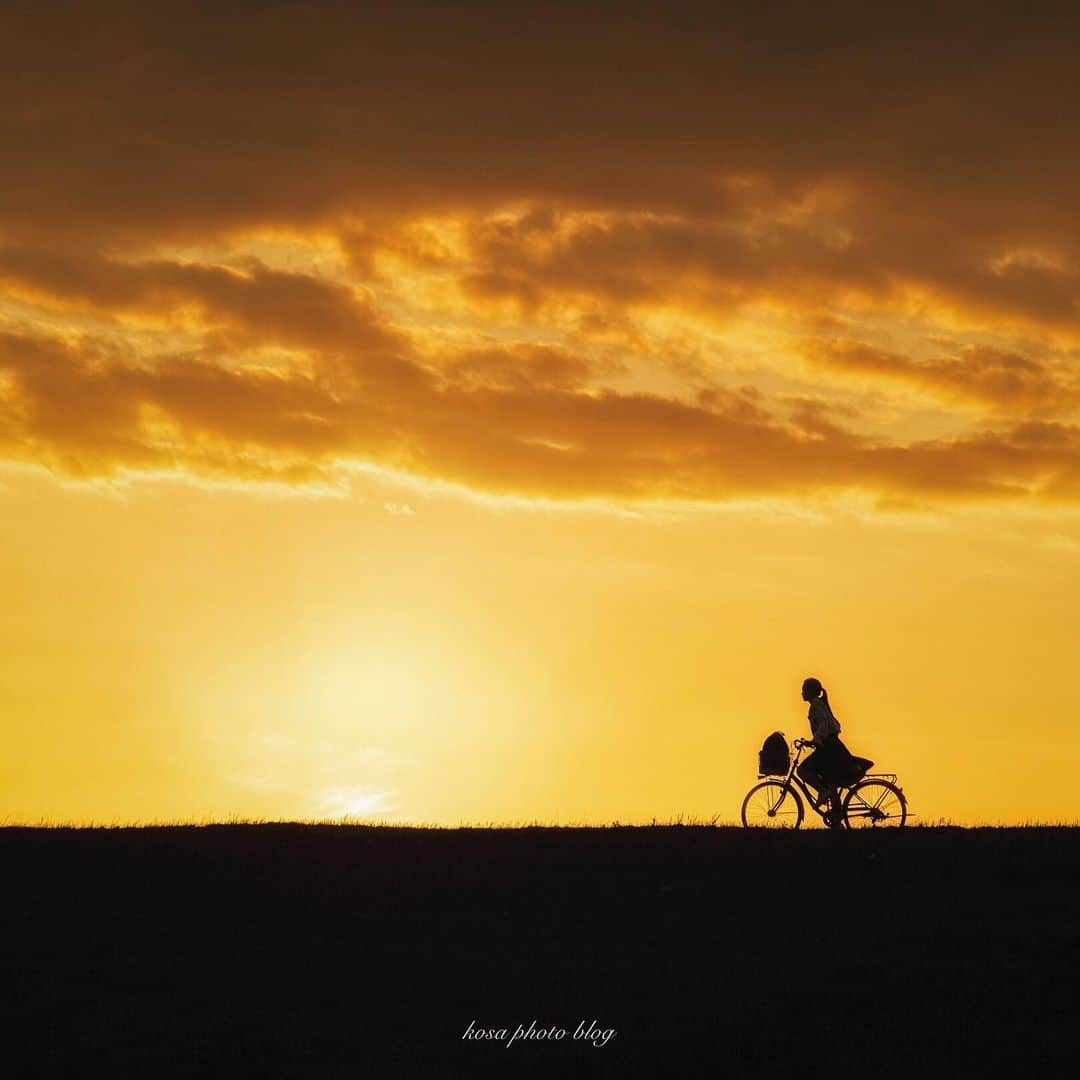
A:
x,y
794,780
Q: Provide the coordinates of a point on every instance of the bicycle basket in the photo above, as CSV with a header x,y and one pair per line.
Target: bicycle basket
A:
x,y
774,758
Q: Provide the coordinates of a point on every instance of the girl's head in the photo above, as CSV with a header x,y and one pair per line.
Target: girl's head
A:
x,y
811,688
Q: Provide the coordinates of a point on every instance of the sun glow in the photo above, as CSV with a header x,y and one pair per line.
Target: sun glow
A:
x,y
379,688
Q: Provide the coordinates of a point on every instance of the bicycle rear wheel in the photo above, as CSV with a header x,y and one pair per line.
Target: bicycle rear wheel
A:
x,y
875,804
769,806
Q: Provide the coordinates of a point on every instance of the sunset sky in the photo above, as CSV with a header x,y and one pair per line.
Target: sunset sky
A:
x,y
487,412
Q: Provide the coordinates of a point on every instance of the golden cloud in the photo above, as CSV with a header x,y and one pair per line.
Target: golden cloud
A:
x,y
78,409
513,205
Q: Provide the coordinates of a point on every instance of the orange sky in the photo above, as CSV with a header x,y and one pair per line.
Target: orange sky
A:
x,y
489,415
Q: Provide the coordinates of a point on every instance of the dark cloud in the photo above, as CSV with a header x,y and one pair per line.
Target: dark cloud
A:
x,y
522,366
793,253
1005,381
247,304
135,119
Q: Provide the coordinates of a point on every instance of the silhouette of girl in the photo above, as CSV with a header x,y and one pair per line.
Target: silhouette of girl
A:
x,y
831,762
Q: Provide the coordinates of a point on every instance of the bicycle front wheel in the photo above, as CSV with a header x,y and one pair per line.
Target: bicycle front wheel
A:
x,y
875,804
769,805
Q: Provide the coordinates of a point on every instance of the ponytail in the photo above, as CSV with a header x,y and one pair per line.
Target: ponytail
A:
x,y
814,689
825,698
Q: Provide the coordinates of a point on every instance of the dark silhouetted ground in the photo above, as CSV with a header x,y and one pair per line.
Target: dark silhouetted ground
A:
x,y
351,951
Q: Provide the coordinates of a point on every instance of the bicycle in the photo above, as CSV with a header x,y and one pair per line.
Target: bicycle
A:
x,y
873,801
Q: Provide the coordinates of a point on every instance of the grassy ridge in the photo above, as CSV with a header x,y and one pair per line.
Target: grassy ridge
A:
x,y
323,949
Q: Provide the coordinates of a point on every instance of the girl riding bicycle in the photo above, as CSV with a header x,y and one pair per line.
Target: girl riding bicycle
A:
x,y
831,763
874,801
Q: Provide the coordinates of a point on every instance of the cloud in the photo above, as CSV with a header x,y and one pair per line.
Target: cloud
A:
x,y
1006,381
521,196
800,251
139,119
83,411
519,365
246,304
